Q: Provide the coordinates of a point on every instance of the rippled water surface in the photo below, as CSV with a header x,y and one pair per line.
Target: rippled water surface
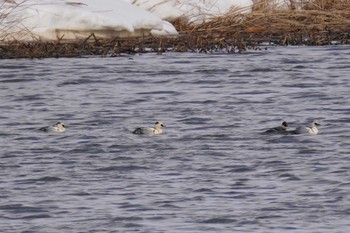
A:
x,y
211,171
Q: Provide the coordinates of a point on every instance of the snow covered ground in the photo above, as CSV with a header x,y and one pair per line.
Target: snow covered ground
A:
x,y
196,11
69,20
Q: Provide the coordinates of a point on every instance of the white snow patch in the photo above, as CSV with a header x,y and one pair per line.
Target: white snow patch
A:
x,y
196,11
52,19
69,20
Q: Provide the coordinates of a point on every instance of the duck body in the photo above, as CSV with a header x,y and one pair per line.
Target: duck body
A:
x,y
313,130
157,129
59,127
279,129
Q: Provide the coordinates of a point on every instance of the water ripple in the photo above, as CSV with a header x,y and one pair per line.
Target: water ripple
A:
x,y
211,171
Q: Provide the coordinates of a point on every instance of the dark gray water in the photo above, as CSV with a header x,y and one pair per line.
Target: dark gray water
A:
x,y
211,171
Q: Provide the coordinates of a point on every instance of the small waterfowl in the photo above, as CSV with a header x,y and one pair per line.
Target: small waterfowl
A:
x,y
58,128
279,129
151,131
308,130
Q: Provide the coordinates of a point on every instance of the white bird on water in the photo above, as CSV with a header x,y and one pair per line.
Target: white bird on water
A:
x,y
279,129
58,128
308,130
151,131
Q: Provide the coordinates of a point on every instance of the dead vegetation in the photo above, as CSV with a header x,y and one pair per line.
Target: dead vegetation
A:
x,y
313,22
292,22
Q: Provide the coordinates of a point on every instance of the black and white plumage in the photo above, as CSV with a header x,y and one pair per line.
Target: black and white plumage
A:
x,y
308,130
279,129
157,129
59,127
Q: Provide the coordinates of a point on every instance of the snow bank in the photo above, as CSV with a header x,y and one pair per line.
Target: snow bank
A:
x,y
196,11
52,19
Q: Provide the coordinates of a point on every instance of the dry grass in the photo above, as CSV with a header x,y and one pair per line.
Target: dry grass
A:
x,y
11,20
310,22
90,46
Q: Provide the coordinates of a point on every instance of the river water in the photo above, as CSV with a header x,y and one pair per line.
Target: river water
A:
x,y
211,171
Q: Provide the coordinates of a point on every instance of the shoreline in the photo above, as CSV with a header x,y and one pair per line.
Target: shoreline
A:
x,y
231,33
200,43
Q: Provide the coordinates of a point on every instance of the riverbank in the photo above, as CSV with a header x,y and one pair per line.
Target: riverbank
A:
x,y
313,24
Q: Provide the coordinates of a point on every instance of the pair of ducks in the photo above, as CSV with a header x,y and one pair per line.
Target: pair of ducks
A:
x,y
59,127
300,130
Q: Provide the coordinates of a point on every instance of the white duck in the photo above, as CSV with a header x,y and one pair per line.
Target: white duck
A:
x,y
151,131
58,128
308,130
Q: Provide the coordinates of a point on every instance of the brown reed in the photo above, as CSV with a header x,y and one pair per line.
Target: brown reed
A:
x,y
295,22
315,22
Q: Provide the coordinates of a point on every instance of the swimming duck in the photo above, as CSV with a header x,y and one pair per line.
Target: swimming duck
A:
x,y
58,128
308,130
151,131
279,129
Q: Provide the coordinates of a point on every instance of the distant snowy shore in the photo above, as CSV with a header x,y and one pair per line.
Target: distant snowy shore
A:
x,y
45,20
